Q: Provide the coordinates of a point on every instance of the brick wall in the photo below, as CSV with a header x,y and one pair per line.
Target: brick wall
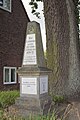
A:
x,y
12,37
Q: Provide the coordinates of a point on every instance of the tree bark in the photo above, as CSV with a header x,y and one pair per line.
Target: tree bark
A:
x,y
62,47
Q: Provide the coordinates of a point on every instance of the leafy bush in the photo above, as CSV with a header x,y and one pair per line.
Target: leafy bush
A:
x,y
7,98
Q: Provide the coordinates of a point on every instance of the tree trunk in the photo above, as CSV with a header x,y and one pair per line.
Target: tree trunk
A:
x,y
62,47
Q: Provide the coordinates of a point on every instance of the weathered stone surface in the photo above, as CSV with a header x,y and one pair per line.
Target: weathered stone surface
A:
x,y
34,28
34,106
33,74
34,69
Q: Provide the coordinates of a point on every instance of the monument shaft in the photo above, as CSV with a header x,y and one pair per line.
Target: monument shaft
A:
x,y
33,76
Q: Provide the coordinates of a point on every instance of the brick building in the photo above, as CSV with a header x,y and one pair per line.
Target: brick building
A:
x,y
13,23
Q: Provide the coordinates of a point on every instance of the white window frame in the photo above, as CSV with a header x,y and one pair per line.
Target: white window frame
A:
x,y
2,7
9,75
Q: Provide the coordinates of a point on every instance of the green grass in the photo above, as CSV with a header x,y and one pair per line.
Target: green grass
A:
x,y
6,117
7,98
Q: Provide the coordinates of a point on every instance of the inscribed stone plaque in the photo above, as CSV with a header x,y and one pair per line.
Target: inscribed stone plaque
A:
x,y
29,85
43,84
30,51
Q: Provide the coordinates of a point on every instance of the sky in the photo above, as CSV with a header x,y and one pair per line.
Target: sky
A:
x,y
34,18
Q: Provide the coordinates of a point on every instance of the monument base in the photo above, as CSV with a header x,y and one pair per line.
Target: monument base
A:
x,y
31,106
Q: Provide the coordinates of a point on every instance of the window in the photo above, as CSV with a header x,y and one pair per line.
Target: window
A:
x,y
6,5
9,75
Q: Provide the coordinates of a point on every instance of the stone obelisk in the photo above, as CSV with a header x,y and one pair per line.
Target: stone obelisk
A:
x,y
33,76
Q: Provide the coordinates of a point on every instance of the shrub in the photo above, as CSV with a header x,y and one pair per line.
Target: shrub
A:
x,y
7,98
58,99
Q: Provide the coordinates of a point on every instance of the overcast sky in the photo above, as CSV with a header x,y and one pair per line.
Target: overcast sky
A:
x,y
34,18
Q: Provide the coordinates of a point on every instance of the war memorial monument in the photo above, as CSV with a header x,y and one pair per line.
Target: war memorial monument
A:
x,y
33,74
